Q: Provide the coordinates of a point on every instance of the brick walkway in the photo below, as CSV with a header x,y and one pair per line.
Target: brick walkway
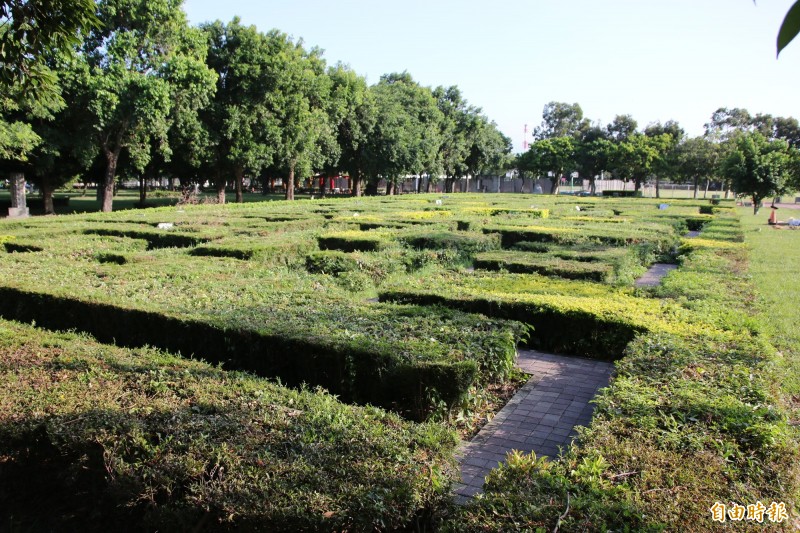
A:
x,y
652,277
541,417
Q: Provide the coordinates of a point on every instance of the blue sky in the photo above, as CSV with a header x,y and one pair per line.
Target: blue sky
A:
x,y
653,59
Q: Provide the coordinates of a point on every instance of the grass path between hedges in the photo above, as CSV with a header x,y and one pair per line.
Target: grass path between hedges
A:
x,y
775,270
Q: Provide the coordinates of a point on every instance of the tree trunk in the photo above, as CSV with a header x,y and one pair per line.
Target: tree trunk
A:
x,y
355,184
756,204
695,186
658,187
390,188
428,185
142,190
219,185
112,158
290,183
238,174
705,194
592,185
47,197
555,184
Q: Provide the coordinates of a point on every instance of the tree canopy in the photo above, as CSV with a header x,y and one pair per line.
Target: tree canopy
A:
x,y
758,166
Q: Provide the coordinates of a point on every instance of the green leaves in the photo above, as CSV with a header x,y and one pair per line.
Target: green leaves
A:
x,y
35,31
757,166
789,28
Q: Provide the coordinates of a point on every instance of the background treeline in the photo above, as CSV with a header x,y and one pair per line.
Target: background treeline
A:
x,y
145,95
128,89
755,155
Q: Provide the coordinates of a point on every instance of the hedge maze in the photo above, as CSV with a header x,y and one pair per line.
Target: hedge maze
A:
x,y
341,341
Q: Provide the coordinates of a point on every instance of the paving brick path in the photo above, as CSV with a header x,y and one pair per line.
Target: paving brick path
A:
x,y
540,418
653,276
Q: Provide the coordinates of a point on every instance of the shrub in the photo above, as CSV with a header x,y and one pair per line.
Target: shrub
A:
x,y
464,243
331,262
144,440
353,241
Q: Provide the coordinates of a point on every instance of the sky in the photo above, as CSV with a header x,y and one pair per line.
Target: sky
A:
x,y
653,59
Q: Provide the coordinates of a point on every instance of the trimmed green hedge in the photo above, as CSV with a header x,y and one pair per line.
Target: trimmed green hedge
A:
x,y
663,243
100,438
528,263
353,241
162,239
554,328
331,262
359,368
466,244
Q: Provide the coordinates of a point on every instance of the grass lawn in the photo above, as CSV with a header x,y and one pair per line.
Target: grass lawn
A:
x,y
775,269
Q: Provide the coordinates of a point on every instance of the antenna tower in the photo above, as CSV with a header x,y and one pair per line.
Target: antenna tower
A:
x,y
525,140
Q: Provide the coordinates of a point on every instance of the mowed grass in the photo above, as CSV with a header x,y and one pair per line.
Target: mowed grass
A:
x,y
775,271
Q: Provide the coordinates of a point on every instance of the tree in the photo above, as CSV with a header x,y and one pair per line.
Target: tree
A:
x,y
407,134
490,150
35,35
759,167
460,131
31,31
353,119
123,87
65,152
621,128
243,130
666,165
560,119
636,158
593,153
788,129
551,157
299,103
725,122
696,158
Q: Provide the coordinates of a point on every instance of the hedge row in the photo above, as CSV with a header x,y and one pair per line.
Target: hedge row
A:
x,y
532,263
467,244
692,418
408,376
95,437
662,243
353,241
573,317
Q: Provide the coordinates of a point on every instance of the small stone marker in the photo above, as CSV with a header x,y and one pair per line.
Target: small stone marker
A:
x,y
165,225
18,208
